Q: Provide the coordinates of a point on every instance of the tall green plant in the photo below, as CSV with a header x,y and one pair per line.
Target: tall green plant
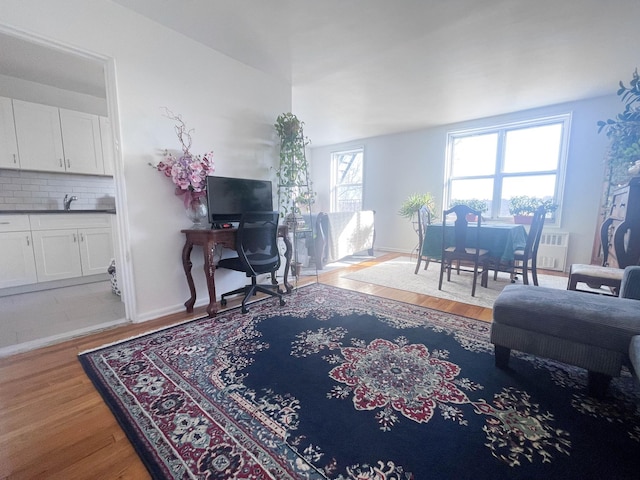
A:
x,y
294,186
624,133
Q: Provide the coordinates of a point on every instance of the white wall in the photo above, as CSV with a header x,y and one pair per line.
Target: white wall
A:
x,y
401,164
232,108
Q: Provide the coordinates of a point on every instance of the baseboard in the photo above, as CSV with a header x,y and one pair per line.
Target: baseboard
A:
x,y
44,342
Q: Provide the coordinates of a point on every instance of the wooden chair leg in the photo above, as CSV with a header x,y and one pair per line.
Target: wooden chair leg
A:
x,y
426,264
525,273
534,271
418,264
475,279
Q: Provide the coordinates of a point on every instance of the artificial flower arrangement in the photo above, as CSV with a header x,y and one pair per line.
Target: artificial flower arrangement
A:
x,y
188,172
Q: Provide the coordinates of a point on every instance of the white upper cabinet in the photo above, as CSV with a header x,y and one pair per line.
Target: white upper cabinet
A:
x,y
39,136
8,144
81,141
55,139
108,153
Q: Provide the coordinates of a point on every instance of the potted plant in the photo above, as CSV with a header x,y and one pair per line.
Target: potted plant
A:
x,y
522,207
474,203
414,202
623,132
294,187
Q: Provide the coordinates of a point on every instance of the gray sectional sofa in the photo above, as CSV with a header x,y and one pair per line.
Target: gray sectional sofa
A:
x,y
595,332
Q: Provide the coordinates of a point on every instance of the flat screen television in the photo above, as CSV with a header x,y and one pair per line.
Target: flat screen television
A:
x,y
228,198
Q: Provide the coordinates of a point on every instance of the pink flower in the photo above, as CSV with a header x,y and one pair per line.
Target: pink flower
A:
x,y
188,172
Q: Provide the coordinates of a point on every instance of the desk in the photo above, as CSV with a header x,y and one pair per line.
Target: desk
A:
x,y
501,239
208,239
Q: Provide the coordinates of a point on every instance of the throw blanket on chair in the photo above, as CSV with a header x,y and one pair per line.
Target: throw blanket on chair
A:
x,y
349,233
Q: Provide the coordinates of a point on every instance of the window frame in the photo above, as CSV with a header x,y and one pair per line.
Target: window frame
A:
x,y
499,175
334,174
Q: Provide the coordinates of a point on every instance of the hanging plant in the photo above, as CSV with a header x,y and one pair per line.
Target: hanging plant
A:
x,y
294,187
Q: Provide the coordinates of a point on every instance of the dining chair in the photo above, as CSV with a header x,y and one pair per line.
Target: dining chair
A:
x,y
597,276
529,254
464,250
424,220
257,253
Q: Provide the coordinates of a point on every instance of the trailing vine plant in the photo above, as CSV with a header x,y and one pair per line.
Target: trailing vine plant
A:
x,y
294,187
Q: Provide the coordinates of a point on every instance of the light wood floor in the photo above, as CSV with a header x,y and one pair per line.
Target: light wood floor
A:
x,y
54,424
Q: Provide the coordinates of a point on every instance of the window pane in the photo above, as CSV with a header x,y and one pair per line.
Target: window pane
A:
x,y
481,189
533,149
541,186
475,155
349,199
350,168
347,181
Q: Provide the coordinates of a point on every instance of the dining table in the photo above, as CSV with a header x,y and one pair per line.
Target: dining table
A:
x,y
500,239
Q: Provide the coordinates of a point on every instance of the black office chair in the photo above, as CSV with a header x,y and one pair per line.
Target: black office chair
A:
x,y
424,220
464,251
257,248
522,257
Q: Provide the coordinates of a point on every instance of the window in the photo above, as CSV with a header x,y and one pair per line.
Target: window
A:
x,y
497,163
346,180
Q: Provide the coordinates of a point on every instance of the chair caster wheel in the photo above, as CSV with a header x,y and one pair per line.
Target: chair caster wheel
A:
x,y
223,302
244,310
282,302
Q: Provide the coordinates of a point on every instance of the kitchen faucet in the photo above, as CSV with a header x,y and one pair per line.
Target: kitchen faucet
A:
x,y
67,201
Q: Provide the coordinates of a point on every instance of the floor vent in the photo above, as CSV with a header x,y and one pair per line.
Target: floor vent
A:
x,y
552,252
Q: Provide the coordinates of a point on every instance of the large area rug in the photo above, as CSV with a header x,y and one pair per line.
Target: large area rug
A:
x,y
343,385
398,273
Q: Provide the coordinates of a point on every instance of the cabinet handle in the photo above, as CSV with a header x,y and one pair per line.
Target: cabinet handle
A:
x,y
61,165
5,223
28,241
15,158
75,238
68,163
82,237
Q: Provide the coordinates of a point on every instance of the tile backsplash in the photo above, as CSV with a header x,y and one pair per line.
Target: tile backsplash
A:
x,y
23,190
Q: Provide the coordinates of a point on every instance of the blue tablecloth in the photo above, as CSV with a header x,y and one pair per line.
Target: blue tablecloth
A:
x,y
501,239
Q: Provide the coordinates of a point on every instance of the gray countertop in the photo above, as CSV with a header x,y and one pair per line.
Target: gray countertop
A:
x,y
39,212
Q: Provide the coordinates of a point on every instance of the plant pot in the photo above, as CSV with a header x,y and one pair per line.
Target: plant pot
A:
x,y
471,218
523,219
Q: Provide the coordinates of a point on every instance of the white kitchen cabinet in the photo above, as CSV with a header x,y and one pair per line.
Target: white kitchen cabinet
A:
x,y
96,250
39,136
8,144
57,254
108,153
57,140
17,263
71,245
81,142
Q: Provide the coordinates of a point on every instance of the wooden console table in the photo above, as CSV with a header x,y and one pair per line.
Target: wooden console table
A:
x,y
208,239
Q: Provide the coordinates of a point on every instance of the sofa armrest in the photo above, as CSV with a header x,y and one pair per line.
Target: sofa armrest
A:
x,y
630,286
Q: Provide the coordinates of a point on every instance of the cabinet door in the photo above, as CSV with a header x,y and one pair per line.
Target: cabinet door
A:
x,y
17,264
57,254
82,143
8,143
39,136
96,250
108,153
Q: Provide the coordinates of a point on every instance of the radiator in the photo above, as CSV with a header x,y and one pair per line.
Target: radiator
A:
x,y
552,251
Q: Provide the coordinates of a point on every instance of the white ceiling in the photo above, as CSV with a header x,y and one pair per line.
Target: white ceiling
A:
x,y
361,68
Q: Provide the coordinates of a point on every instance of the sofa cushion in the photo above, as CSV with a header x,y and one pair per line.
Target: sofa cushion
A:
x,y
602,321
